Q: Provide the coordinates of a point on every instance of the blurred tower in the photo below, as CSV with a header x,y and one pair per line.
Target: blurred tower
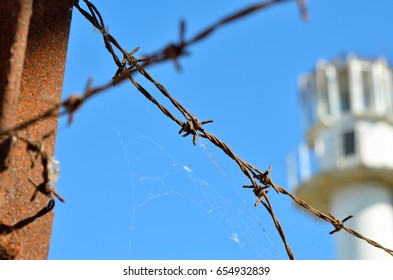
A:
x,y
347,159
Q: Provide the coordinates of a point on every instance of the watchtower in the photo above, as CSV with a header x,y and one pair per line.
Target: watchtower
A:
x,y
347,108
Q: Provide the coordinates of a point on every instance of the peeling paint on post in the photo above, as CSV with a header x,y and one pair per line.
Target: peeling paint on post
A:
x,y
34,38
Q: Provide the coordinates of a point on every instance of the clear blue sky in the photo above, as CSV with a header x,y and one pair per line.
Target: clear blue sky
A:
x,y
135,189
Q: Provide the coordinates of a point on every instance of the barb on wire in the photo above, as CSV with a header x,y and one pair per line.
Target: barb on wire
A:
x,y
192,126
260,192
338,225
49,172
74,102
303,9
174,50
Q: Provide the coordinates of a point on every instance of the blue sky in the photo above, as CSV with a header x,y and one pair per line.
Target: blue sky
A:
x,y
135,189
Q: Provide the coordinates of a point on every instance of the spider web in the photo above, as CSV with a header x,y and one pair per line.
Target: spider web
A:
x,y
178,212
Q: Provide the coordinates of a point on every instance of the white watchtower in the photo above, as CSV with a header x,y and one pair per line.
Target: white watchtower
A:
x,y
347,106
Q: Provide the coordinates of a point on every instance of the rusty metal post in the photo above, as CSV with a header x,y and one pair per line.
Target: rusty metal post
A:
x,y
33,45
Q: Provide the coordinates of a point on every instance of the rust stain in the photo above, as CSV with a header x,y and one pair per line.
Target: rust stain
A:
x,y
13,31
35,90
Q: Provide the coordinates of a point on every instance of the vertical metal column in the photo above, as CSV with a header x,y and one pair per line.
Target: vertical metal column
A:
x,y
33,45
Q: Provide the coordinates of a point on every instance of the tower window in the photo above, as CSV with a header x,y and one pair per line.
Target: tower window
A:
x,y
323,90
308,100
367,89
343,84
349,143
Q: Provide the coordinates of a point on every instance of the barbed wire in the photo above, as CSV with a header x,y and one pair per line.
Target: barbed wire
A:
x,y
261,182
192,126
